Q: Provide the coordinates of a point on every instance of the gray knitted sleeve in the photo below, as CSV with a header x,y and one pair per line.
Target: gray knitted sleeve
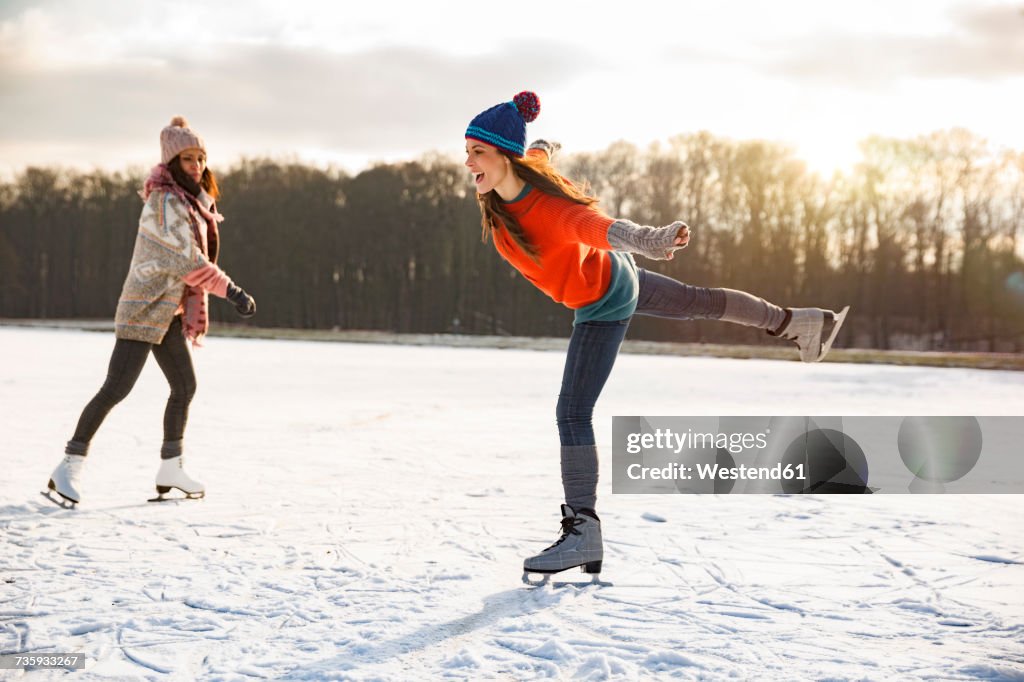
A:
x,y
549,148
656,243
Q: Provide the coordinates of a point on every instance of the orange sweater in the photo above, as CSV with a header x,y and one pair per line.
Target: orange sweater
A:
x,y
572,241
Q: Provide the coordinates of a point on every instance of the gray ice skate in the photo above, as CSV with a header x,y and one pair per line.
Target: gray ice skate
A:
x,y
580,545
813,330
64,481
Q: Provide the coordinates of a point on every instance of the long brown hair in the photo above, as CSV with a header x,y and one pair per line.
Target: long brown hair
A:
x,y
207,182
538,173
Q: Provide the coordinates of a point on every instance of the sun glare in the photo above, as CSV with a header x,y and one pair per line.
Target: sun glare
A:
x,y
827,155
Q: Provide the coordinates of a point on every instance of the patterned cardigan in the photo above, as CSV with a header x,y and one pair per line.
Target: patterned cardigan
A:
x,y
169,265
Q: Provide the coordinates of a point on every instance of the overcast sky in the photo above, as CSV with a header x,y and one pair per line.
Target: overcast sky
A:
x,y
89,83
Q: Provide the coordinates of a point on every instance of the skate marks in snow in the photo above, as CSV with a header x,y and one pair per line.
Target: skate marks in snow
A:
x,y
910,582
451,642
356,547
997,559
144,595
713,598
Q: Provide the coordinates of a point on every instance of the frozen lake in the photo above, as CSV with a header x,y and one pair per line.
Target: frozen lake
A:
x,y
369,507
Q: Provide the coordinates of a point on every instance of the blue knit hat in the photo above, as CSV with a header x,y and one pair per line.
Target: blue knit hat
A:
x,y
504,125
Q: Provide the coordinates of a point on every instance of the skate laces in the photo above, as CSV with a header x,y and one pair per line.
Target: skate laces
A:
x,y
569,524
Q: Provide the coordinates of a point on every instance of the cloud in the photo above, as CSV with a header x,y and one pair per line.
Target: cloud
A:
x,y
984,43
273,97
12,9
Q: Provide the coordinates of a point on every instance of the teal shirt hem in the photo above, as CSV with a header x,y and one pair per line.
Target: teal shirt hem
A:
x,y
619,301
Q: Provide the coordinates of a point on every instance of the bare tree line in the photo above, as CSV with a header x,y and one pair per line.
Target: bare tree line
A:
x,y
923,239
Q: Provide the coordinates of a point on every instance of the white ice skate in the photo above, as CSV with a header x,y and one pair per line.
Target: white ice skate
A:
x,y
580,545
172,475
65,482
813,330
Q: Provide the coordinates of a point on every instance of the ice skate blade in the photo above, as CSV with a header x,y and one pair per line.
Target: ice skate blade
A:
x,y
188,496
59,500
593,569
840,317
595,579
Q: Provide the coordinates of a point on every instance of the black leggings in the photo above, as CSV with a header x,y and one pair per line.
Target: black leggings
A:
x,y
126,363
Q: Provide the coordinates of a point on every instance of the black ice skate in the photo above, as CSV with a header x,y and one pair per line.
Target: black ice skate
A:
x,y
580,546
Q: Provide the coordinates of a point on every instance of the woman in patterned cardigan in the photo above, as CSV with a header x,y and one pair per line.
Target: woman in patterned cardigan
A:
x,y
163,307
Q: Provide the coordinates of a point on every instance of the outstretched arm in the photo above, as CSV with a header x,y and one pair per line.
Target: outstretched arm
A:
x,y
657,243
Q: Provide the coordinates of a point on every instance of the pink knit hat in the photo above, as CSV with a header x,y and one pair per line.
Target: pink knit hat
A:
x,y
177,137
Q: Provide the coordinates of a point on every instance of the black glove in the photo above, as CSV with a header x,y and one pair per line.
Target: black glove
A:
x,y
244,303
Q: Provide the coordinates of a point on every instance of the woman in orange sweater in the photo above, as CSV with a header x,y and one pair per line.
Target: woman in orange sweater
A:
x,y
553,234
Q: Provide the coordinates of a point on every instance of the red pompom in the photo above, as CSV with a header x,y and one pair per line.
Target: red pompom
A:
x,y
528,105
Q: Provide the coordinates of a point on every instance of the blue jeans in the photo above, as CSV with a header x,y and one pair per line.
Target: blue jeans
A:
x,y
594,346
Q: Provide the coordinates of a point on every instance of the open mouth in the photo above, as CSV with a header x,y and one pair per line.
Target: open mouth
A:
x,y
478,178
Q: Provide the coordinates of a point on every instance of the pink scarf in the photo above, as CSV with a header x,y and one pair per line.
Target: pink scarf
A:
x,y
195,322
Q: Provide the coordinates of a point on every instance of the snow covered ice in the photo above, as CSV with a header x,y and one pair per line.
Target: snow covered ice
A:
x,y
369,506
